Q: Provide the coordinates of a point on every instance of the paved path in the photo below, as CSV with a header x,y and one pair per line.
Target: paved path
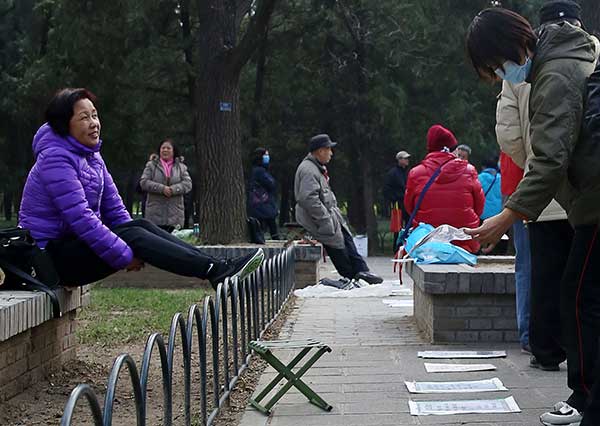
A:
x,y
374,351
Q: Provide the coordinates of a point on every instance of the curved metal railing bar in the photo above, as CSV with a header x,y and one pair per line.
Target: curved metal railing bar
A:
x,y
178,324
156,339
86,391
113,378
254,304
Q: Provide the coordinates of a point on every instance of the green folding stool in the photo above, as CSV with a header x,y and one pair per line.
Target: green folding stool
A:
x,y
264,349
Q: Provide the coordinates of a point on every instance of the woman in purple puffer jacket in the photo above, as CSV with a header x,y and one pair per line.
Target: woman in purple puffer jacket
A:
x,y
73,209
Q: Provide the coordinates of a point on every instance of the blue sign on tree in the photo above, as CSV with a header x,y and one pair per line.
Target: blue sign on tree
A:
x,y
225,106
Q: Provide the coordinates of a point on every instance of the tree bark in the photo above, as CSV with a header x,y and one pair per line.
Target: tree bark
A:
x,y
257,113
363,217
220,179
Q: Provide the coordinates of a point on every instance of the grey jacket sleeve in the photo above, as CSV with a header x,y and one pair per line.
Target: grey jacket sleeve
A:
x,y
185,185
146,182
309,200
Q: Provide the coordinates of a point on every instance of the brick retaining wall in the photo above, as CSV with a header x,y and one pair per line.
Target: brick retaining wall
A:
x,y
31,355
32,343
460,303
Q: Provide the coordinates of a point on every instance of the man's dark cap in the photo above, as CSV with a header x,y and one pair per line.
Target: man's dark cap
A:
x,y
321,141
559,9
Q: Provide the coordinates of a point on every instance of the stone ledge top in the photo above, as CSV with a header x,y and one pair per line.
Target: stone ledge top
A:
x,y
307,252
22,310
489,276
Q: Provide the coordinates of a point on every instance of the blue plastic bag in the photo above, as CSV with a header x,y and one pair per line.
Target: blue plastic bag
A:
x,y
416,235
435,251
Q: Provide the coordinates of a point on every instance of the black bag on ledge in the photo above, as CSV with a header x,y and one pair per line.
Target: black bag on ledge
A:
x,y
26,266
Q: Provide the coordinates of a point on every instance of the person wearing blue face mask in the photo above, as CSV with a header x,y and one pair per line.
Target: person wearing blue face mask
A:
x,y
538,268
262,192
557,61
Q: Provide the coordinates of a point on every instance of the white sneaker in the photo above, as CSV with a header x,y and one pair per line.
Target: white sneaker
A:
x,y
562,414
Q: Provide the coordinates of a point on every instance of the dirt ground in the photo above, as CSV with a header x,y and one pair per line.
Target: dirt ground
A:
x,y
43,404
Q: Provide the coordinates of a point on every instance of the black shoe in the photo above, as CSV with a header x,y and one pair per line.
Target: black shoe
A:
x,y
239,267
369,277
534,363
342,283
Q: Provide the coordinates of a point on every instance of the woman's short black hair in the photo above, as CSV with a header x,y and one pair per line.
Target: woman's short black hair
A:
x,y
60,109
175,149
497,35
257,156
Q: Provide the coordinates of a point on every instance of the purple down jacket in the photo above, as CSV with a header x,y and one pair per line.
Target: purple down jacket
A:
x,y
69,192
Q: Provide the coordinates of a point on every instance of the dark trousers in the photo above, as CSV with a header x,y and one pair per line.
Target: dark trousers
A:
x,y
347,261
271,226
76,263
550,244
591,416
580,312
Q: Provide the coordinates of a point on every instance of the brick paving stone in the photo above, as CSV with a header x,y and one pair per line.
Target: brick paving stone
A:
x,y
374,351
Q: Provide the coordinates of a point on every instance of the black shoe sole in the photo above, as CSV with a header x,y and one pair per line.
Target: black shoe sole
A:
x,y
370,280
545,367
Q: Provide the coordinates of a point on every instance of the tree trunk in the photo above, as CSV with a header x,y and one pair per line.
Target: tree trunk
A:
x,y
221,57
257,113
220,178
369,201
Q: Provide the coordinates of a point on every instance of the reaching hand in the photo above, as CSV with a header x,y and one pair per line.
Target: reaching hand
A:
x,y
168,192
135,265
492,229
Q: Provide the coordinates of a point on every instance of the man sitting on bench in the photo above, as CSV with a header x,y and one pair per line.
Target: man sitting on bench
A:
x,y
318,213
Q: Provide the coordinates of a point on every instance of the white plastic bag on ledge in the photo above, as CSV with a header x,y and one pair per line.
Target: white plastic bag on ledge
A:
x,y
427,244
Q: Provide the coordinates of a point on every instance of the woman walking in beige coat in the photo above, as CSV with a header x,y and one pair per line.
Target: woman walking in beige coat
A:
x,y
166,180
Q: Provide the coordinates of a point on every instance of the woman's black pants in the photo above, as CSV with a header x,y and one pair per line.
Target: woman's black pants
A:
x,y
76,263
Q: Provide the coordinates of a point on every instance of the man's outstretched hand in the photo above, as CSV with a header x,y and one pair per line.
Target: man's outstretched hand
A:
x,y
492,229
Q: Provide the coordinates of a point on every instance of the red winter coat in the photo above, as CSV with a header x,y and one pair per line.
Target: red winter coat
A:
x,y
455,198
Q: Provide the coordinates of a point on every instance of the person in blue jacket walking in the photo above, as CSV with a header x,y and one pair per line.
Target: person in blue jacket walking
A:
x,y
262,192
490,182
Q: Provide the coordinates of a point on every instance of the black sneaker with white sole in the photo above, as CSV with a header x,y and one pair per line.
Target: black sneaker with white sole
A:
x,y
239,267
562,414
369,277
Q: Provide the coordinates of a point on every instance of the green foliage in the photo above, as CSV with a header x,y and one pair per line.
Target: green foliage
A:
x,y
416,74
119,315
373,74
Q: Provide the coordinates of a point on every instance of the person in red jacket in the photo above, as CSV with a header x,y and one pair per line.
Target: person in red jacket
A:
x,y
456,197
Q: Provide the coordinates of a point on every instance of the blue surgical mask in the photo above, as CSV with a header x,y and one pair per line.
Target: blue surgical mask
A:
x,y
514,73
266,159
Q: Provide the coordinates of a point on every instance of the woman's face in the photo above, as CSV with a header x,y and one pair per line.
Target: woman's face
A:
x,y
166,151
84,126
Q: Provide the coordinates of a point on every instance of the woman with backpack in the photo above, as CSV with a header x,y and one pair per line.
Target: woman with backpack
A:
x,y
166,181
558,62
455,196
73,210
262,192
